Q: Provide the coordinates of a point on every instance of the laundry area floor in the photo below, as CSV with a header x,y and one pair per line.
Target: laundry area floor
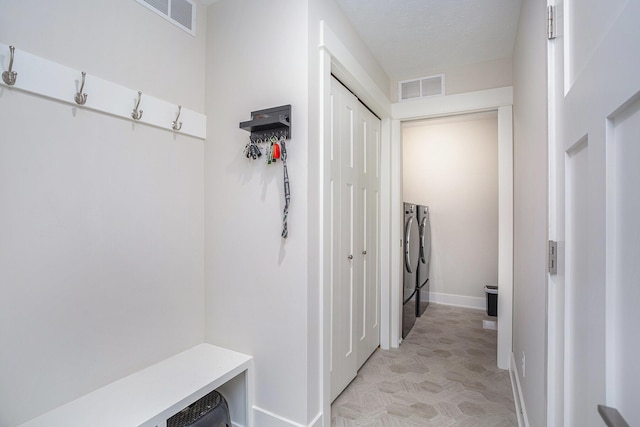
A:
x,y
443,374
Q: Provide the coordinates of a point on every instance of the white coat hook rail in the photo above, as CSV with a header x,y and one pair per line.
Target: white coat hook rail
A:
x,y
175,125
137,114
9,77
81,98
51,80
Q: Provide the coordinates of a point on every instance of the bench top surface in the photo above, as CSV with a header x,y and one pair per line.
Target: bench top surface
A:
x,y
150,396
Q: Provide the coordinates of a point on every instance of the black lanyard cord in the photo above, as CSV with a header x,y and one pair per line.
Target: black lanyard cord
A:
x,y
287,191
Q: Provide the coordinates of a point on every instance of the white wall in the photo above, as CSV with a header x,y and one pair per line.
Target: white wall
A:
x,y
102,221
263,294
530,206
451,165
257,282
469,78
119,41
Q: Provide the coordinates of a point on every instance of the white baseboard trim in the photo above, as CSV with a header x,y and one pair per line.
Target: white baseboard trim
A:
x,y
518,399
264,418
458,300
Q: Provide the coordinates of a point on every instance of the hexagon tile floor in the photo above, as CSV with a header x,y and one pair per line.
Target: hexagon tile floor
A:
x,y
443,374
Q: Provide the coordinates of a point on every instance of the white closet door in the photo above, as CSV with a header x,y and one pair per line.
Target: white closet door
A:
x,y
368,322
345,266
595,152
355,282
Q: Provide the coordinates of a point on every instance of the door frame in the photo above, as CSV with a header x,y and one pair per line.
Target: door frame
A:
x,y
336,59
500,100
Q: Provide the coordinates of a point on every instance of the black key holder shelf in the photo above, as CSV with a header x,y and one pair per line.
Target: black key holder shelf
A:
x,y
265,127
270,122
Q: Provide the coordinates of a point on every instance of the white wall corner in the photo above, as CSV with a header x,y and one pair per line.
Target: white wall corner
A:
x,y
518,398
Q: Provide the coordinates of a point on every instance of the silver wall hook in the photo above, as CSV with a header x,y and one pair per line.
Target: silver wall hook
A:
x,y
80,97
9,77
137,114
174,124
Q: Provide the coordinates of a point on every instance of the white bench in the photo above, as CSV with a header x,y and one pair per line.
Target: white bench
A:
x,y
149,397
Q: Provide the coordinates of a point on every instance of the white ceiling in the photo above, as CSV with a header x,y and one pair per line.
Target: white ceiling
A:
x,y
414,38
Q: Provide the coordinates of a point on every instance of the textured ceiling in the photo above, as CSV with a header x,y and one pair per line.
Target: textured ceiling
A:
x,y
413,38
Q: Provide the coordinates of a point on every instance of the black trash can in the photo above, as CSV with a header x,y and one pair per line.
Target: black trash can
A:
x,y
209,411
492,299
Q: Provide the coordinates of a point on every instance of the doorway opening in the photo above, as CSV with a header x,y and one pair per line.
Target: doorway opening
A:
x,y
499,100
450,166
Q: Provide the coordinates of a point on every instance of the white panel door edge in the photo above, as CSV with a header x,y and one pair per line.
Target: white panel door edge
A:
x,y
594,120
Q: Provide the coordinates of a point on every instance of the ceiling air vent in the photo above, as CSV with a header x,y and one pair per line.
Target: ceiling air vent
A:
x,y
181,13
421,88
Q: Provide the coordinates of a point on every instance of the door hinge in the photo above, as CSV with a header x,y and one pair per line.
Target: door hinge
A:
x,y
553,257
551,24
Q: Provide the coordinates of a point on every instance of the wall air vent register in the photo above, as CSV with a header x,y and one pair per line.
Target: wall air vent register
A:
x,y
181,13
422,87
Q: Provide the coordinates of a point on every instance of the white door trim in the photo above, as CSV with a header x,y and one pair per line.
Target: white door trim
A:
x,y
481,100
500,99
555,283
505,235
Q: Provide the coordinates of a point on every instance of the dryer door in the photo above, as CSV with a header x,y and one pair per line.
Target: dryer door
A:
x,y
411,255
410,239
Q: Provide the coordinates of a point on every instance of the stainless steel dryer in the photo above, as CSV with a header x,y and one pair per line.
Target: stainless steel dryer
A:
x,y
411,254
422,282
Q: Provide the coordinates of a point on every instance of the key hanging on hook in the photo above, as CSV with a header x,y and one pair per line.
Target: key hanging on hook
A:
x,y
9,77
80,97
251,150
137,114
257,152
268,151
276,150
272,149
